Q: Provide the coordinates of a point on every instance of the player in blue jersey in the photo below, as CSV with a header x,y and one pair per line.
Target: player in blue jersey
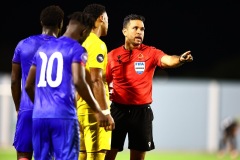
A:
x,y
57,72
51,19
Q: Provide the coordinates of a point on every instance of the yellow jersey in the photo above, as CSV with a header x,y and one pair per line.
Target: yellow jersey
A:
x,y
97,58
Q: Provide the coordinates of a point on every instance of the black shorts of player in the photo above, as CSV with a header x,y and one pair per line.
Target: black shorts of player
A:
x,y
228,140
136,121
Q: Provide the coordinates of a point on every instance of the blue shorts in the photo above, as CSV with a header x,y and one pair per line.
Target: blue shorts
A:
x,y
55,137
23,134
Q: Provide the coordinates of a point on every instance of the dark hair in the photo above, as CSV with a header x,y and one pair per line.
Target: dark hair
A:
x,y
83,18
132,17
231,128
52,16
95,10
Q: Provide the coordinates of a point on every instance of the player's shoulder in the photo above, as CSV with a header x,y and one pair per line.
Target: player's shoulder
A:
x,y
68,42
36,39
94,41
151,49
28,41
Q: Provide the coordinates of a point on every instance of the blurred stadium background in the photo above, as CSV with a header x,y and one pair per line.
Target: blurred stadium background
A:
x,y
189,102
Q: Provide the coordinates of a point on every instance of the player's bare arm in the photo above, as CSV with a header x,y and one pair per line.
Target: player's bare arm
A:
x,y
16,84
85,92
98,88
30,83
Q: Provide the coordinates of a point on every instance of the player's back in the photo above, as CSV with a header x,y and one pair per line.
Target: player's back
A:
x,y
23,55
54,93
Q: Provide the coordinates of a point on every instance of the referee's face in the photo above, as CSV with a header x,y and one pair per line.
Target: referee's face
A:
x,y
134,32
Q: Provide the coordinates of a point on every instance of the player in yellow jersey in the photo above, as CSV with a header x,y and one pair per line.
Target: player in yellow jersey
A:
x,y
95,140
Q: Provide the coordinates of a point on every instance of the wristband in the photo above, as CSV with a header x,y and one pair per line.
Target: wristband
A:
x,y
106,112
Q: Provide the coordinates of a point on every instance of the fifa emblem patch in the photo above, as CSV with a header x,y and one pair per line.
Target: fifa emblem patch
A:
x,y
139,67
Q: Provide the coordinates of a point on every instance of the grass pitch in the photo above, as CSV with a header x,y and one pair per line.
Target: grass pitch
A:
x,y
10,154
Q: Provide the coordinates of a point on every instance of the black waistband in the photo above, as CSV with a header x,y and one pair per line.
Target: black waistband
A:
x,y
131,105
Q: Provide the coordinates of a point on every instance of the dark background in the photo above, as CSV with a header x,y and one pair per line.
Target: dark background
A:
x,y
210,29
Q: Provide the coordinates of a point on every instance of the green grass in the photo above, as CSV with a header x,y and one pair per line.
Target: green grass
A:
x,y
9,154
155,155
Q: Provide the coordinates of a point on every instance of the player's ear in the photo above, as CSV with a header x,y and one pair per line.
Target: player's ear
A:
x,y
101,18
124,31
60,25
83,32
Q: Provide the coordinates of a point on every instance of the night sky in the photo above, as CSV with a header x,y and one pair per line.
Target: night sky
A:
x,y
210,29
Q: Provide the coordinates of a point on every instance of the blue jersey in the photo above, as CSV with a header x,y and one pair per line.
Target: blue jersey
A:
x,y
23,55
54,88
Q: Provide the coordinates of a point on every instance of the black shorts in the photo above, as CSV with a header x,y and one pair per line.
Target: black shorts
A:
x,y
136,121
228,140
